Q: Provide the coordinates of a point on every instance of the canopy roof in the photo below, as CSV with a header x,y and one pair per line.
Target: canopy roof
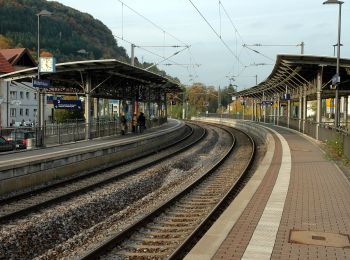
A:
x,y
293,71
109,73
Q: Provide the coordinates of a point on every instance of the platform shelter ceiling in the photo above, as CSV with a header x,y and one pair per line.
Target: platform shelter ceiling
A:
x,y
109,79
294,71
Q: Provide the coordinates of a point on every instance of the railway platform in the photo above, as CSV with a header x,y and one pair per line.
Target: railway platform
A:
x,y
22,170
296,206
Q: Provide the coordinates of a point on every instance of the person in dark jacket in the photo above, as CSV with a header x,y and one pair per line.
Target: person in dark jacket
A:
x,y
123,124
141,121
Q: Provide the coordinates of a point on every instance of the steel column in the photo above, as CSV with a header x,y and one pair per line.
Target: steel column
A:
x,y
304,108
300,108
319,104
87,107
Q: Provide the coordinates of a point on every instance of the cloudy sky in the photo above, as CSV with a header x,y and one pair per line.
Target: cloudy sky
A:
x,y
211,60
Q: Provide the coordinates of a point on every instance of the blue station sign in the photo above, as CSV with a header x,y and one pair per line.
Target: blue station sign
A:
x,y
67,104
41,83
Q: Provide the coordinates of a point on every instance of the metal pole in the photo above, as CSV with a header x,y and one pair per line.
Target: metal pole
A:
x,y
300,107
302,47
132,54
337,114
319,104
40,141
87,107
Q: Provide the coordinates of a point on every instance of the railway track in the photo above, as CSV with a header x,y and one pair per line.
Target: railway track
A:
x,y
20,205
167,231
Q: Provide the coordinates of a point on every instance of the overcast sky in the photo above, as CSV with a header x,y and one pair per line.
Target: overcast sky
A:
x,y
271,22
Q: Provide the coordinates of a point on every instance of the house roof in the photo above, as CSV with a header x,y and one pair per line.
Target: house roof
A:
x,y
14,56
5,66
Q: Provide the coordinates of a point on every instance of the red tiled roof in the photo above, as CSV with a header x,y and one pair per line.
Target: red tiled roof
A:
x,y
5,66
12,55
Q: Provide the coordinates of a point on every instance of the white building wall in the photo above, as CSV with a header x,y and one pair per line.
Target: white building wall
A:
x,y
19,104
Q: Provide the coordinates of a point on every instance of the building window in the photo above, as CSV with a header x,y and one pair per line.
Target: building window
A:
x,y
13,112
27,95
34,111
21,111
27,112
21,94
34,95
13,95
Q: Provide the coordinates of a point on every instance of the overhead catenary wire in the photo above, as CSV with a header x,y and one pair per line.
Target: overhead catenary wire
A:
x,y
216,33
151,52
234,26
151,22
163,31
165,59
258,52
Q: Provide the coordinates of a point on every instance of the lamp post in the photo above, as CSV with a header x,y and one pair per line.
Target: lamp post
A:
x,y
40,96
337,75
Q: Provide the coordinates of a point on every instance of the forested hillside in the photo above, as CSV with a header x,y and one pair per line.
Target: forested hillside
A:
x,y
65,34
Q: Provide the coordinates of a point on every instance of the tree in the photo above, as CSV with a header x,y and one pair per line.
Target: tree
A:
x,y
62,115
5,43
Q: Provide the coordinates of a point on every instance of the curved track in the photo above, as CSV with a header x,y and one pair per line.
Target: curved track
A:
x,y
22,204
168,230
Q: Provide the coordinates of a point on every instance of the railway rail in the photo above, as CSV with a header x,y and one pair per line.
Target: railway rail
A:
x,y
22,204
167,231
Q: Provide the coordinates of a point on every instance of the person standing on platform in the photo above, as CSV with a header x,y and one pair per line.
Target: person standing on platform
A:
x,y
141,121
134,123
123,124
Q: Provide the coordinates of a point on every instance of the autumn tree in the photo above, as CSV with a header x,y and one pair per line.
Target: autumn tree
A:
x,y
5,43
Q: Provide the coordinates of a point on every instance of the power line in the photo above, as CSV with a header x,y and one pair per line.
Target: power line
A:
x,y
158,27
234,27
151,52
234,55
267,57
165,59
151,22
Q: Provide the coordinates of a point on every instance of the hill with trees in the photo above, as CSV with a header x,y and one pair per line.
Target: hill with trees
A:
x,y
68,34
65,34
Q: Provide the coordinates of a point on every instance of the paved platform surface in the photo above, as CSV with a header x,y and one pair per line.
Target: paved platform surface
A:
x,y
23,155
300,209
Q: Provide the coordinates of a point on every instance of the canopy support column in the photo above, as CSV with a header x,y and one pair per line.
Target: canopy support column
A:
x,y
87,107
300,110
304,108
346,105
278,110
97,108
264,108
288,112
253,110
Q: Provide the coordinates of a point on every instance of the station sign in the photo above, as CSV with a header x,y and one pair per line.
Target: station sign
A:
x,y
267,102
41,83
286,96
67,104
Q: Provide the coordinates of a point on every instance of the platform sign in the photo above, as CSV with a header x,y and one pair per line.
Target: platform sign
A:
x,y
41,83
67,104
267,102
286,96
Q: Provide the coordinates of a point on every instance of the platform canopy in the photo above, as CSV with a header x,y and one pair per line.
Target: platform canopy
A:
x,y
109,78
294,71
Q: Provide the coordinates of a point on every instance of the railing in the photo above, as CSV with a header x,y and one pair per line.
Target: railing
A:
x,y
324,131
73,131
